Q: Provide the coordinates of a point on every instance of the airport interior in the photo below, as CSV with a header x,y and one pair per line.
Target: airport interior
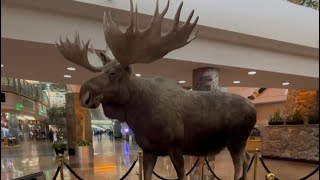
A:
x,y
66,119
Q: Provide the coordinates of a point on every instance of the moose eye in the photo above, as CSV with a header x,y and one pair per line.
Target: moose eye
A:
x,y
112,75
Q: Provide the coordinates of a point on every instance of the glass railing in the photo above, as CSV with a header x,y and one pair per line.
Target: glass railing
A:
x,y
26,89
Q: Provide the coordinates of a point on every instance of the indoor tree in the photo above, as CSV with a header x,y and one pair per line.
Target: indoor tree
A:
x,y
57,117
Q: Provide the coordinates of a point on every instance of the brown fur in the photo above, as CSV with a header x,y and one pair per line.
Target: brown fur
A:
x,y
169,120
166,119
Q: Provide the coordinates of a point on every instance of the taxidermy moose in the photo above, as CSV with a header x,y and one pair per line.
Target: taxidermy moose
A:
x,y
165,118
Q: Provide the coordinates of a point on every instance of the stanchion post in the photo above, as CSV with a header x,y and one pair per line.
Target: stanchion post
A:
x,y
140,159
61,165
202,161
255,168
270,176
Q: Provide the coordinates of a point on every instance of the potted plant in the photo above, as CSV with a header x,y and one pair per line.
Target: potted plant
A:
x,y
276,118
59,147
84,150
294,119
314,118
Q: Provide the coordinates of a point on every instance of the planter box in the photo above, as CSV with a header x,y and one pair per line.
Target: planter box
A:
x,y
59,151
313,122
85,156
84,152
276,123
293,142
294,123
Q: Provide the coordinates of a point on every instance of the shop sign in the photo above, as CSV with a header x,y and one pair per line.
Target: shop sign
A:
x,y
34,122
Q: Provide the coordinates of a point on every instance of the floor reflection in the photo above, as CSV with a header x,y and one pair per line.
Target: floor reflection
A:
x,y
113,158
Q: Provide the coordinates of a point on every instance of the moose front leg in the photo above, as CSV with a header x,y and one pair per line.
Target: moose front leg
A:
x,y
178,163
149,161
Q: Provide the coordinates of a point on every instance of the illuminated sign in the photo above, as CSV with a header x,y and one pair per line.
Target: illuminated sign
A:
x,y
19,107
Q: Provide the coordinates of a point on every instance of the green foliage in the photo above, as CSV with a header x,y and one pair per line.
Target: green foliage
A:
x,y
57,117
56,113
295,117
313,4
58,87
314,118
59,146
276,117
84,143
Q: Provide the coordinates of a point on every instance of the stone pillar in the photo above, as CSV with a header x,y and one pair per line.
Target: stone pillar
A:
x,y
78,122
306,102
206,79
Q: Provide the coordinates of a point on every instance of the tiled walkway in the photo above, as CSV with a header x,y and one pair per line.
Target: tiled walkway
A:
x,y
112,159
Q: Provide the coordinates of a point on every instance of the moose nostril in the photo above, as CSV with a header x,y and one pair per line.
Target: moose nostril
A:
x,y
87,101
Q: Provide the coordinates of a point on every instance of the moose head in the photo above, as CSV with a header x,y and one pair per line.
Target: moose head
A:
x,y
129,47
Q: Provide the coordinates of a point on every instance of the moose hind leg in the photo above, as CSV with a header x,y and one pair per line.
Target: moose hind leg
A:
x,y
149,161
239,159
178,163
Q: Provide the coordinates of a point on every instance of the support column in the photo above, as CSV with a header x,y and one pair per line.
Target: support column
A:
x,y
206,79
78,122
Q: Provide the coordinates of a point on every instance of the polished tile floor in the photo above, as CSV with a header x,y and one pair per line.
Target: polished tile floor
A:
x,y
112,159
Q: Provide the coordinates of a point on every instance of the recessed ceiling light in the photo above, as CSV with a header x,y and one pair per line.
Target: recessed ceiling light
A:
x,y
236,82
285,83
71,68
181,82
252,72
67,76
138,75
1,65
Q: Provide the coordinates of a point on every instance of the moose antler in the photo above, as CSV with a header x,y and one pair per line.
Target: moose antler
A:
x,y
80,54
135,46
132,46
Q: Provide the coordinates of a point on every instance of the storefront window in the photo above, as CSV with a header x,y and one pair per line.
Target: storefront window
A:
x,y
16,128
11,132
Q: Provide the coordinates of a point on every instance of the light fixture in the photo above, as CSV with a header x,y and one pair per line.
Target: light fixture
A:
x,y
236,82
67,76
1,65
138,75
252,72
181,82
285,84
71,68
